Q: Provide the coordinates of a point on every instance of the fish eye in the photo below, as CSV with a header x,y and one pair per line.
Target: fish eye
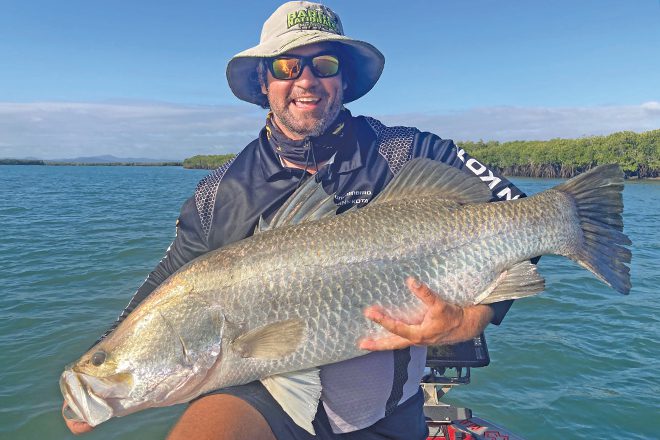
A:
x,y
98,358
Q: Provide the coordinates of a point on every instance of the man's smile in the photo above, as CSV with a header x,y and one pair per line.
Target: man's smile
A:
x,y
306,102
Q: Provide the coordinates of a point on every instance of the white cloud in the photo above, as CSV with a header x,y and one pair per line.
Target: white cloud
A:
x,y
52,130
652,106
534,123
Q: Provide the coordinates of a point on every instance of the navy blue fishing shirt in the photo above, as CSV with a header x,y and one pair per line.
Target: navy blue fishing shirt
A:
x,y
229,202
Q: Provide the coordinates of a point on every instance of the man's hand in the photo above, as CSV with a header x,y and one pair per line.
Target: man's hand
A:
x,y
441,324
74,426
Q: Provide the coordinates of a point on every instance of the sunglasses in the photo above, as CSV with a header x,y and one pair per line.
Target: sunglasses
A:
x,y
291,66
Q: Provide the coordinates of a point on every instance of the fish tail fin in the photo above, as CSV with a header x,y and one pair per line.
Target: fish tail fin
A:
x,y
598,199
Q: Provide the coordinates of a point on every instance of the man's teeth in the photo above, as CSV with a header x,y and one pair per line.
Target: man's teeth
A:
x,y
307,100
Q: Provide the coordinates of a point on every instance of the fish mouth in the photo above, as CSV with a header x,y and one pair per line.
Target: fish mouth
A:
x,y
92,400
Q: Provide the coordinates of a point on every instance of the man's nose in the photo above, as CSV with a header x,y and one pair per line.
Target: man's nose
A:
x,y
307,77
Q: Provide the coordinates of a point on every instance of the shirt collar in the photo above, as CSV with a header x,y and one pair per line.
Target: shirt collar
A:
x,y
353,155
271,166
347,159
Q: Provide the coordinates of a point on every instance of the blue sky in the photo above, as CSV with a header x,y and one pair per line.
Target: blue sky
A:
x,y
146,78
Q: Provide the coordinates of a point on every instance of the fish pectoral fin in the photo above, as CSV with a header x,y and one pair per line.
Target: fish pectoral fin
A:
x,y
271,341
298,394
519,281
426,177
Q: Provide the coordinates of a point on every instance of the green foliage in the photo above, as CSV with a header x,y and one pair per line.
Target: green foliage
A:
x,y
21,162
638,154
210,162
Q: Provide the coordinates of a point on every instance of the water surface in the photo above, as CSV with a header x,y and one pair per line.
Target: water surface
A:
x,y
578,361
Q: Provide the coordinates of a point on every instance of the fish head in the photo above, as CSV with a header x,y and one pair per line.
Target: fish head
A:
x,y
150,360
96,387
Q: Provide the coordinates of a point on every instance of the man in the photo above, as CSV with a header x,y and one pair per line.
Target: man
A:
x,y
305,69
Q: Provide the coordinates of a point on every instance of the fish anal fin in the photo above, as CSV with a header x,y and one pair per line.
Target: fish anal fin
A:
x,y
298,394
271,341
426,177
519,281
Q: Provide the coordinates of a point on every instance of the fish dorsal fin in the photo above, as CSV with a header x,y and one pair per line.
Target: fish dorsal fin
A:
x,y
298,394
261,226
271,341
519,281
426,177
309,202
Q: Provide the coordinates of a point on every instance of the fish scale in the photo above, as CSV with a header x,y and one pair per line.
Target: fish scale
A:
x,y
370,275
374,278
292,297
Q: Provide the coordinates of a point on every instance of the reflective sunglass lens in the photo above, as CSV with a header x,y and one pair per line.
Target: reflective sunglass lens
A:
x,y
286,68
325,65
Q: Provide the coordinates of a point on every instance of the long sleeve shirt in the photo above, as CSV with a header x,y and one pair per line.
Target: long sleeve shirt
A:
x,y
229,202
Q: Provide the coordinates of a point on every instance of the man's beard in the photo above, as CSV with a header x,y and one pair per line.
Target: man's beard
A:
x,y
310,125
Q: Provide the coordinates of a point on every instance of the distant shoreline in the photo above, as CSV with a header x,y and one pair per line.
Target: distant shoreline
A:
x,y
625,177
88,164
638,155
212,166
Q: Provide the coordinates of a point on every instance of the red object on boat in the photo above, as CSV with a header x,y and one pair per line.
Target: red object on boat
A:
x,y
448,422
473,428
447,432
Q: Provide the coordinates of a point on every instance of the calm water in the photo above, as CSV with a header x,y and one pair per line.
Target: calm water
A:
x,y
578,361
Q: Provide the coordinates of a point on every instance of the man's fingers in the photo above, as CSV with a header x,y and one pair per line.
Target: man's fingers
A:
x,y
422,291
393,342
403,333
394,326
375,313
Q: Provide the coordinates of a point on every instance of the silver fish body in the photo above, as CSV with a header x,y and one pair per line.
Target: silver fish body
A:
x,y
292,297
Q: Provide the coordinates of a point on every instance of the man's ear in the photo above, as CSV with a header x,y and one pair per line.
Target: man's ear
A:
x,y
262,76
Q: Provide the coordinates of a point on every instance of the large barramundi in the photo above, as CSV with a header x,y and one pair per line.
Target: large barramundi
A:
x,y
291,298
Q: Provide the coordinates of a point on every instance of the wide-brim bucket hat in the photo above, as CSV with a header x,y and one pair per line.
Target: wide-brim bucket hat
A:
x,y
296,24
